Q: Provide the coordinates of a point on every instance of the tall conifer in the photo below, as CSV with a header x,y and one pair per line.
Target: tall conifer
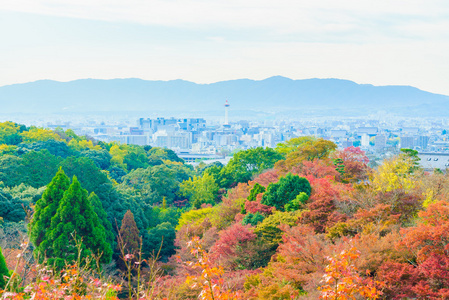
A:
x,y
45,209
102,217
130,236
4,272
75,218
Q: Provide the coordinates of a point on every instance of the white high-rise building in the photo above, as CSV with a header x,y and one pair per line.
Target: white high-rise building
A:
x,y
365,140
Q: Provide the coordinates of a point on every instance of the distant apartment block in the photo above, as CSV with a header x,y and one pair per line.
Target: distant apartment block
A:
x,y
423,142
407,142
172,139
380,142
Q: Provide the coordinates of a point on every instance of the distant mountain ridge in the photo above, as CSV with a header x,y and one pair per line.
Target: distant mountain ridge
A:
x,y
272,94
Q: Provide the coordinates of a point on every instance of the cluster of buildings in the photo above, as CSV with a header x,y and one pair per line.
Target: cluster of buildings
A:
x,y
198,138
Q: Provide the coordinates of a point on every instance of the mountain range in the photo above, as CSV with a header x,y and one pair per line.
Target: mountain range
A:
x,y
272,95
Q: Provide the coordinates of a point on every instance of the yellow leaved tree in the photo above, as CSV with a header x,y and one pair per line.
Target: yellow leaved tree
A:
x,y
39,135
394,174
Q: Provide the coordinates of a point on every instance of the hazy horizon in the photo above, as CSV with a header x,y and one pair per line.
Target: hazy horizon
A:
x,y
381,43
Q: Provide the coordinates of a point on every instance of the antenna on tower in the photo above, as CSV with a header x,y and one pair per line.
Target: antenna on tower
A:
x,y
226,122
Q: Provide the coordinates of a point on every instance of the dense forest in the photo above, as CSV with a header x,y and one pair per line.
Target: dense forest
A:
x,y
83,219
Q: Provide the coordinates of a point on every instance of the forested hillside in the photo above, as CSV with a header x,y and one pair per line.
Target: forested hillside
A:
x,y
81,219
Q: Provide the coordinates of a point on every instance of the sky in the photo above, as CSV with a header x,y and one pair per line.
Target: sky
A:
x,y
380,42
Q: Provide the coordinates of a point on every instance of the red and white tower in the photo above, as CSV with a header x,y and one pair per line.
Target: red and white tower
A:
x,y
226,122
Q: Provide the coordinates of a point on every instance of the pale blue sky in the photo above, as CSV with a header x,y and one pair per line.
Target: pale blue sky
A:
x,y
382,42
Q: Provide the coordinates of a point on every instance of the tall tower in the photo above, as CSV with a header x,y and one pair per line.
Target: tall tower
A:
x,y
226,122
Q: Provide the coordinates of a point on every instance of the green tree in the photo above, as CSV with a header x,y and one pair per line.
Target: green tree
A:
x,y
163,237
413,156
11,170
4,272
11,208
9,133
56,148
293,144
285,190
253,219
76,225
270,234
155,182
296,203
200,190
45,209
101,158
245,164
103,218
39,167
256,190
88,174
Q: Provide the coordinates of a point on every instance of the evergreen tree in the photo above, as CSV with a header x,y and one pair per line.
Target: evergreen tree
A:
x,y
103,218
257,189
285,190
45,209
129,234
161,237
76,224
4,272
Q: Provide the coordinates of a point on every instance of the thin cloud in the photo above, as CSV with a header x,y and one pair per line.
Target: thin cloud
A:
x,y
280,17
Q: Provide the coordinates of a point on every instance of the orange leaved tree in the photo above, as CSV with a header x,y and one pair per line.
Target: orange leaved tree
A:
x,y
343,282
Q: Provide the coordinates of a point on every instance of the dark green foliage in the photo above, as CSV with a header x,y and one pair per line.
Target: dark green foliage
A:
x,y
253,219
163,233
39,167
155,161
286,189
56,148
154,183
116,173
12,209
339,166
45,209
11,170
103,218
13,139
33,168
116,204
75,223
101,158
4,272
136,160
88,174
413,155
257,189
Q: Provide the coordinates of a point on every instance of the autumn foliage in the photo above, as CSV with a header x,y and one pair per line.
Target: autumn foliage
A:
x,y
318,224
